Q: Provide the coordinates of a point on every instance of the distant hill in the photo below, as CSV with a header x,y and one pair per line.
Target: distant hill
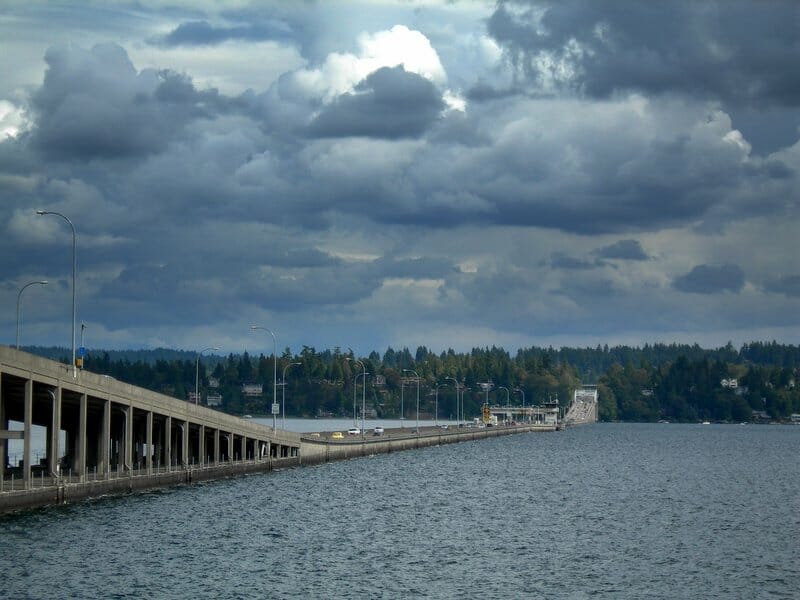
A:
x,y
146,356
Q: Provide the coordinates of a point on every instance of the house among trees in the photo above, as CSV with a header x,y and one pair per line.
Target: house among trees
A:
x,y
252,389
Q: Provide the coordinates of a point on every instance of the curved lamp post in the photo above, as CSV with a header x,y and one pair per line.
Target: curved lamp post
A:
x,y
283,394
417,376
274,366
455,381
436,410
508,400
19,296
74,270
197,373
363,394
521,391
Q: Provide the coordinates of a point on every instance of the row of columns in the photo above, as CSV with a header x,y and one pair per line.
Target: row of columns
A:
x,y
78,439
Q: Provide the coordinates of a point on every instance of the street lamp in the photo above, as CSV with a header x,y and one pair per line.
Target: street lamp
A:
x,y
455,381
363,394
417,376
19,296
508,401
74,270
283,393
197,373
274,366
436,410
521,391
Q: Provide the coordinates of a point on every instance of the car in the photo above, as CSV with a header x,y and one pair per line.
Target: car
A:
x,y
377,431
337,435
353,431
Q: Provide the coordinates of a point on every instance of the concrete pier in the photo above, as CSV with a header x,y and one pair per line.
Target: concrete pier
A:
x,y
106,437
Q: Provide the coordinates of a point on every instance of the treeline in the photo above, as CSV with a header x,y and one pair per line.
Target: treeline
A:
x,y
698,390
661,381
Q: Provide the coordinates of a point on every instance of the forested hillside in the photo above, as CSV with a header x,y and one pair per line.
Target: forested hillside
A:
x,y
672,382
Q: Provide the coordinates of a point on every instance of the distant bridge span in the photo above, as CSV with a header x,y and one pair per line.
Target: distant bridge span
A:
x,y
584,405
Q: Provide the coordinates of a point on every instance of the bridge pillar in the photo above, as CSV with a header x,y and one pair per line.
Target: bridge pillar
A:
x,y
26,441
149,442
231,453
201,444
104,462
128,438
168,443
81,445
185,444
54,437
216,446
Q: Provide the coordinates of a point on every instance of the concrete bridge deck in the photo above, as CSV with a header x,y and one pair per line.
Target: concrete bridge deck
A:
x,y
108,437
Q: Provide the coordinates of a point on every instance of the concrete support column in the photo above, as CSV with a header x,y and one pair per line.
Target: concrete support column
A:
x,y
243,453
54,439
128,439
230,446
149,443
168,442
80,467
185,444
216,446
26,440
104,462
201,445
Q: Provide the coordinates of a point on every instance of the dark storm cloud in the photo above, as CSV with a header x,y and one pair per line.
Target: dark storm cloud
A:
x,y
202,33
733,49
711,279
390,103
623,250
788,286
94,104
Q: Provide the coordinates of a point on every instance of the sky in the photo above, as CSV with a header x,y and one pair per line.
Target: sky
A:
x,y
453,174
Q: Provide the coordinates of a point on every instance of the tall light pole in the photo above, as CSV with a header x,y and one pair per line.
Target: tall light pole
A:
x,y
463,390
197,373
521,391
19,296
363,394
436,409
274,366
74,271
402,388
455,381
417,376
283,393
508,401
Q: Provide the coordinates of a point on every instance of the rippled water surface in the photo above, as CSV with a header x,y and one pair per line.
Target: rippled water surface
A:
x,y
610,511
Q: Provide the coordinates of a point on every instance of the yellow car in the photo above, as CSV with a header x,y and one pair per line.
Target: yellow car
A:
x,y
337,435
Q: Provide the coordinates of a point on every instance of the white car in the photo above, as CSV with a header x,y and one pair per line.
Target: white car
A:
x,y
353,431
377,431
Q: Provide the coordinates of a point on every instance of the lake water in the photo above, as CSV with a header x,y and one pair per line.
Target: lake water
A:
x,y
607,510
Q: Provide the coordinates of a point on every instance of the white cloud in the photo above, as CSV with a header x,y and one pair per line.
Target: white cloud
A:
x,y
389,48
12,120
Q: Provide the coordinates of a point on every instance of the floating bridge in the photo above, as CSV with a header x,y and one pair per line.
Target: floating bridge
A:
x,y
106,437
